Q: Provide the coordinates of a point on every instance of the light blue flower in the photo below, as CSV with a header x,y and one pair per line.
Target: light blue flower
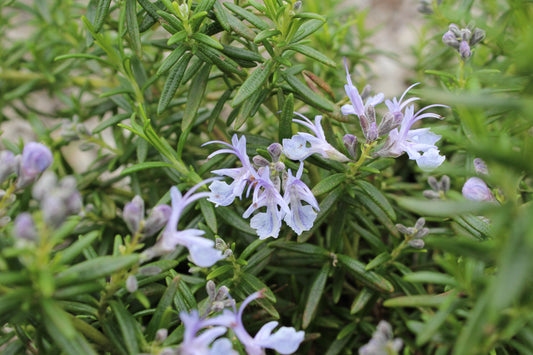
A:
x,y
222,193
266,194
201,250
419,144
285,341
300,218
194,344
475,189
302,145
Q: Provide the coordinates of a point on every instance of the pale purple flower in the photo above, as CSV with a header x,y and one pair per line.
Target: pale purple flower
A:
x,y
266,194
201,250
302,145
419,144
357,107
285,341
475,189
223,194
8,164
24,227
157,219
382,342
35,158
133,213
194,344
300,218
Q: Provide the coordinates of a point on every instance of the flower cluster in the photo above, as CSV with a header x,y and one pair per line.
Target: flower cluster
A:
x,y
285,341
201,250
463,39
414,235
419,144
35,159
264,178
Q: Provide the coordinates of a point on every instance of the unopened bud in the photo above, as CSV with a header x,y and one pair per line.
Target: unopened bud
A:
x,y
275,150
24,227
420,223
372,133
35,158
421,233
44,185
161,335
227,253
480,167
297,6
150,270
475,189
466,34
464,50
390,121
366,92
260,161
477,36
211,289
220,244
435,185
402,229
416,243
430,194
350,142
455,29
133,213
131,284
279,166
157,219
222,293
450,39
370,113
8,164
445,183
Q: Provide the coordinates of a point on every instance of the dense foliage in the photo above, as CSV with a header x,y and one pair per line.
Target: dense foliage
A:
x,y
205,171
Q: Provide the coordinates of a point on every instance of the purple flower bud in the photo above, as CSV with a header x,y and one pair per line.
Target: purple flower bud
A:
x,y
480,167
44,185
157,219
455,29
54,210
260,161
445,183
420,223
464,50
416,243
450,39
372,133
275,150
36,157
8,164
475,189
350,142
430,194
161,335
133,213
24,227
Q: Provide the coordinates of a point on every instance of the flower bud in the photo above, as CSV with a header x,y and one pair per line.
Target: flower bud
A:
x,y
421,233
450,39
54,211
297,6
44,185
275,150
466,34
150,270
430,194
8,164
211,289
420,224
35,158
480,167
477,36
279,166
260,161
157,219
131,284
161,335
365,93
133,213
464,50
24,227
475,189
455,30
390,121
445,183
350,142
433,183
372,133
416,243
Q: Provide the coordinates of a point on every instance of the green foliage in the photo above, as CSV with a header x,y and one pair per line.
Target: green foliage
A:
x,y
156,79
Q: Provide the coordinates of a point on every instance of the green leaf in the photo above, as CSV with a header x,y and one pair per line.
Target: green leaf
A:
x,y
439,208
101,13
378,260
68,254
430,277
285,120
217,58
437,320
171,59
128,326
133,26
209,41
361,300
257,98
220,270
150,8
266,34
184,298
326,206
177,37
328,184
221,15
307,95
303,248
233,219
208,211
306,29
145,165
194,97
165,303
312,53
241,53
368,278
95,268
247,15
377,196
173,82
310,15
315,294
415,301
253,82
